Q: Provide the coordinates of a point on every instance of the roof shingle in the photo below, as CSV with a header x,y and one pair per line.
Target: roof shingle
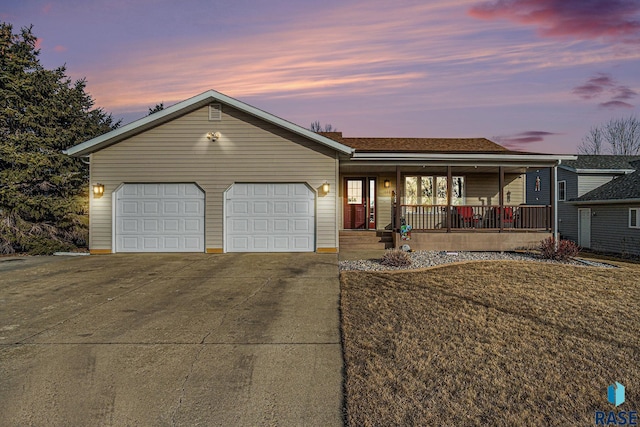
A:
x,y
439,145
601,161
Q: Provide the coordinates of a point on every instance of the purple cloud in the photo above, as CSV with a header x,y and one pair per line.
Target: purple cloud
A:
x,y
615,20
624,93
603,83
595,86
612,105
522,139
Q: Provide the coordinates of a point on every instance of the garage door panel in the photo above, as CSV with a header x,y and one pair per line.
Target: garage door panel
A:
x,y
172,190
260,207
301,226
270,217
150,243
192,207
129,207
301,242
172,225
281,208
159,218
129,225
238,226
171,207
192,225
150,225
149,189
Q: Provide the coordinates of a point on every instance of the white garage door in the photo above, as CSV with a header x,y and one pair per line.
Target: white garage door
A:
x,y
270,218
159,218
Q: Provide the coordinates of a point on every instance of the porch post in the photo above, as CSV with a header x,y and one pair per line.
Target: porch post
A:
x,y
449,185
501,196
399,195
554,202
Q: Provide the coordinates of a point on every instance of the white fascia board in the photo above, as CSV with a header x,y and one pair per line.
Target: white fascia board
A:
x,y
190,104
603,202
463,156
597,171
606,171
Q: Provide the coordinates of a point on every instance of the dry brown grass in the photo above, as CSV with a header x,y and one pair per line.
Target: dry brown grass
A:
x,y
490,343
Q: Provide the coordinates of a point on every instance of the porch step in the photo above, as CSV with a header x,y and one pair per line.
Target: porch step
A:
x,y
366,239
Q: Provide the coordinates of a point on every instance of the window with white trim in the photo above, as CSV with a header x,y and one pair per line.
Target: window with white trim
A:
x,y
562,191
634,217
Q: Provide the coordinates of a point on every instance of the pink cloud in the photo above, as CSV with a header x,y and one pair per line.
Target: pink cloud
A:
x,y
38,43
614,20
60,48
47,8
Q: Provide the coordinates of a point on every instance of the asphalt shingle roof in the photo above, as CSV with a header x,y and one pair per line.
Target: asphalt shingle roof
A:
x,y
437,145
624,187
601,162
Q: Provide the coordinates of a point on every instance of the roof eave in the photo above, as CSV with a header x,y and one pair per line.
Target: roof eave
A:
x,y
186,106
397,156
604,201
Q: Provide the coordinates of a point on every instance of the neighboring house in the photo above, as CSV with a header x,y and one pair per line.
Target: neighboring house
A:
x,y
213,174
575,179
609,216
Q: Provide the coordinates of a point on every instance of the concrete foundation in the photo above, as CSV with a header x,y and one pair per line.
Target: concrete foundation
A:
x,y
472,241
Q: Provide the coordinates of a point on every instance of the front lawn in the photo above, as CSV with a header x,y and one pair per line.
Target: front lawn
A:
x,y
490,343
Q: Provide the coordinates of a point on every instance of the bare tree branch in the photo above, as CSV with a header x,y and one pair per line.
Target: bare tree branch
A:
x,y
317,127
621,137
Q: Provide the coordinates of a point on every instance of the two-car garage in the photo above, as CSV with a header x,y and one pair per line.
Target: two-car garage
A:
x,y
258,217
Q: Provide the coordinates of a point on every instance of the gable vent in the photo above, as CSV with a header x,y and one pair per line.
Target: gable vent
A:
x,y
215,112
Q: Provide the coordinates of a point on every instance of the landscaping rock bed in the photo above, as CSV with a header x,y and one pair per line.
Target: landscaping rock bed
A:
x,y
424,259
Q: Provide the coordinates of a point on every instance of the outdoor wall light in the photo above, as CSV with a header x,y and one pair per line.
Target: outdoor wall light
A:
x,y
387,183
508,196
98,189
213,136
325,187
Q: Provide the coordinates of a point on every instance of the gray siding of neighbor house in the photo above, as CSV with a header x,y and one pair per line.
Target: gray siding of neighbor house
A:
x,y
542,197
577,185
568,213
610,230
249,150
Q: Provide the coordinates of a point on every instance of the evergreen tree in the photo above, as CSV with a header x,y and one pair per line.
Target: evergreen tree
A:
x,y
43,192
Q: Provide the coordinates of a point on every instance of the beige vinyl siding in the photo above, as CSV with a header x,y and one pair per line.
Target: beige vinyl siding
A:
x,y
384,202
249,150
484,189
587,183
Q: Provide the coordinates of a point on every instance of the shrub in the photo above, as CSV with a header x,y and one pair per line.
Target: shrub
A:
x,y
395,258
564,250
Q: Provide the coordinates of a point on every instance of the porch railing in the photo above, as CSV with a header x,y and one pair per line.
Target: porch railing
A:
x,y
439,217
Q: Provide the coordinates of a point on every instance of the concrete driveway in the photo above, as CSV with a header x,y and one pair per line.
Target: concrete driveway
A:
x,y
196,339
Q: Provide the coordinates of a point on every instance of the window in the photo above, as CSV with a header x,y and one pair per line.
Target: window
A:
x,y
562,191
432,190
634,218
354,191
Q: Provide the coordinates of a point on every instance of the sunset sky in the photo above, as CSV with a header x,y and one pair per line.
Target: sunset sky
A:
x,y
533,75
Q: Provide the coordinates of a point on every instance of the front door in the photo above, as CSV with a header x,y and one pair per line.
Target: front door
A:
x,y
355,203
584,228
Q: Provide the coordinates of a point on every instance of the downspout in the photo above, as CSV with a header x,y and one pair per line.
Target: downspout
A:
x,y
555,203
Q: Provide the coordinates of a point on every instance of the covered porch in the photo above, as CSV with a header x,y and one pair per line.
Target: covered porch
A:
x,y
446,206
